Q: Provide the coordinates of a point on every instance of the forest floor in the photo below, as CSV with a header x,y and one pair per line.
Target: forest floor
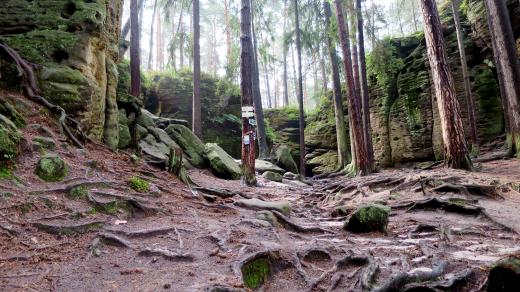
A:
x,y
93,232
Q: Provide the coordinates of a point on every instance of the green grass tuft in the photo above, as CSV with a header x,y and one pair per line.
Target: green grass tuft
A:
x,y
139,185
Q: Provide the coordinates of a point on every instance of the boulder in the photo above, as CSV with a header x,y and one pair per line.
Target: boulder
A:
x,y
190,144
146,119
51,168
152,148
290,176
272,176
222,164
256,204
262,166
9,111
163,137
505,275
140,132
368,218
284,159
125,138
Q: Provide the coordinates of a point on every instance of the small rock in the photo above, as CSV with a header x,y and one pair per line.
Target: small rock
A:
x,y
262,166
290,176
51,168
281,206
272,176
368,218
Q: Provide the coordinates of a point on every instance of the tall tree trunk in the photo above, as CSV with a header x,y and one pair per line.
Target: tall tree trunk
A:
x,y
456,154
151,36
248,129
285,51
135,51
414,15
181,43
365,95
508,67
295,74
324,79
196,116
341,126
360,158
465,73
159,47
257,97
126,26
300,89
355,60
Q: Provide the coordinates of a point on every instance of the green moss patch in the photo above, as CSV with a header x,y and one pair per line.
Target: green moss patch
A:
x,y
139,185
256,272
368,218
51,168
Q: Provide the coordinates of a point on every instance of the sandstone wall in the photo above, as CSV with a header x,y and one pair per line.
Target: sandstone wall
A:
x,y
74,45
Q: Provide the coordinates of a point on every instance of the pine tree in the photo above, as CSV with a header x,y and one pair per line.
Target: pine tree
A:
x,y
456,154
300,89
135,51
246,71
196,115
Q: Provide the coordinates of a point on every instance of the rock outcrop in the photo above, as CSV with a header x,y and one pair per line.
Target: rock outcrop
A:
x,y
74,44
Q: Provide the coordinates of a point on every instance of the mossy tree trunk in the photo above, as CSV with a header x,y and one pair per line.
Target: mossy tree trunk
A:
x,y
360,163
196,115
135,51
470,101
300,89
257,97
456,154
339,117
246,72
508,67
364,86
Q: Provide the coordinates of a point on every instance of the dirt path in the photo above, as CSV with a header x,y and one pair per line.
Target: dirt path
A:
x,y
92,232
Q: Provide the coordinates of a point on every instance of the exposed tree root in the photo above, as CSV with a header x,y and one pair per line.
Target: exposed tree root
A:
x,y
398,281
296,227
225,194
468,189
144,233
349,260
369,275
112,239
435,204
32,91
451,284
70,187
171,255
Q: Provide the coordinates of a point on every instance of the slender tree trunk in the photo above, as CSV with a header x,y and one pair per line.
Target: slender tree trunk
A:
x,y
300,89
266,73
126,26
341,126
248,129
135,51
196,116
355,60
229,45
467,85
151,36
257,97
360,160
181,43
365,95
324,78
159,47
414,15
285,51
456,154
508,67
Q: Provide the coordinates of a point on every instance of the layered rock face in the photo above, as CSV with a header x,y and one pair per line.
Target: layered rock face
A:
x,y
74,46
404,114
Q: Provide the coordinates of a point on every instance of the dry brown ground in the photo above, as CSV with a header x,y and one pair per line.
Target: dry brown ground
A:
x,y
176,239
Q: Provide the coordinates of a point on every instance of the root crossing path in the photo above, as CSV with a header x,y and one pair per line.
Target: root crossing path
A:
x,y
93,232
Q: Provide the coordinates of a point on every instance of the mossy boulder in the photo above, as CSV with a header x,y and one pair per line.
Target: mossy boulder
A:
x,y
262,166
284,159
125,138
256,204
272,176
9,139
191,145
146,119
51,168
368,218
9,111
505,275
324,163
221,163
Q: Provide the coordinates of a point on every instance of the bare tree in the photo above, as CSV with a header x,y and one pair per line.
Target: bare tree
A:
x,y
196,116
456,154
151,36
135,51
300,88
